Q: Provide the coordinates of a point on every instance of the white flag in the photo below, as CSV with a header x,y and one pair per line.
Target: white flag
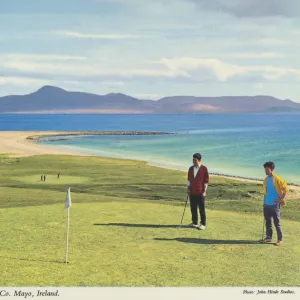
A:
x,y
68,199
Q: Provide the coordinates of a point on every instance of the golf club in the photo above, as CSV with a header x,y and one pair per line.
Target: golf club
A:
x,y
263,231
187,197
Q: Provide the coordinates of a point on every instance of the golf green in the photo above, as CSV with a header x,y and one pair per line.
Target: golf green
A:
x,y
123,228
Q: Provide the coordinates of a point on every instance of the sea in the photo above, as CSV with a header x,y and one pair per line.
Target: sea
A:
x,y
230,144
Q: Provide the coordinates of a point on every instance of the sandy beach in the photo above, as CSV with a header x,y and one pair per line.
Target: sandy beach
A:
x,y
22,144
15,143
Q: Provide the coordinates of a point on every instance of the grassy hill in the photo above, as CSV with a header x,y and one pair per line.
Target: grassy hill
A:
x,y
123,228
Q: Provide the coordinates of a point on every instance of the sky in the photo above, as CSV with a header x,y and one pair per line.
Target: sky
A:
x,y
151,49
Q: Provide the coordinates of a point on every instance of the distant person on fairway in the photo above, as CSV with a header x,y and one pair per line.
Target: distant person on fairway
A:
x,y
275,190
41,177
58,174
198,179
44,177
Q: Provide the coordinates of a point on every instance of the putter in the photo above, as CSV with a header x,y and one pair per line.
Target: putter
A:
x,y
187,197
263,231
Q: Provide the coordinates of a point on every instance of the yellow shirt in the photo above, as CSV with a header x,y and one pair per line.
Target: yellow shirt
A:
x,y
280,186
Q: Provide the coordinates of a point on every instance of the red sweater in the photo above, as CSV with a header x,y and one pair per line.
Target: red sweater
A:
x,y
197,183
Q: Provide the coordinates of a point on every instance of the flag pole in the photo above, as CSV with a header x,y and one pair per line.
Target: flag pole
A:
x,y
67,206
68,228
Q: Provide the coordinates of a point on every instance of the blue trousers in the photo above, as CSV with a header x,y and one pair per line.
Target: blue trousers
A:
x,y
272,212
198,202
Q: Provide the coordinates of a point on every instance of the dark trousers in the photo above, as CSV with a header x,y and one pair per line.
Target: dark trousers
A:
x,y
195,202
269,213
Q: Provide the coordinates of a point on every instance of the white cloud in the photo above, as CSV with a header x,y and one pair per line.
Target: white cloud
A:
x,y
42,57
113,83
81,35
48,68
252,8
188,68
296,32
214,69
88,70
215,43
256,55
22,81
189,65
266,42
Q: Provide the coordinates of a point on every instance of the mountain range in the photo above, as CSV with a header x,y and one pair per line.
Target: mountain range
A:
x,y
50,99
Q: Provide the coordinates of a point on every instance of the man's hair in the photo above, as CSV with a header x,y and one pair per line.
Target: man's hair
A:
x,y
197,156
269,164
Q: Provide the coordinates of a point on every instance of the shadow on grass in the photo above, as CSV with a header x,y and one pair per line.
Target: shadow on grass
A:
x,y
34,260
137,225
213,242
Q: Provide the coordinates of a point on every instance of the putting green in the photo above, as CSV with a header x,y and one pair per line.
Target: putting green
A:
x,y
138,244
52,179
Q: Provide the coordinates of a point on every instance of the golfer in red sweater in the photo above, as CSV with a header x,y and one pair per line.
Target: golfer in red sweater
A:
x,y
198,179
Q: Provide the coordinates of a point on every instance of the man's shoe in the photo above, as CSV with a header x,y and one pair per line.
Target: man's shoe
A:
x,y
267,240
202,227
192,225
279,243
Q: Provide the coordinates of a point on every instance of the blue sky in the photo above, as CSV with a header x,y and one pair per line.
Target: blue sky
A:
x,y
152,49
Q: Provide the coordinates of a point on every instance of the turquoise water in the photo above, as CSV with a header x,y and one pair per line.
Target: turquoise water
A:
x,y
238,149
232,144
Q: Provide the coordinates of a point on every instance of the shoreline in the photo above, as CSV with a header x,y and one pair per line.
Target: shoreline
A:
x,y
79,133
239,178
24,143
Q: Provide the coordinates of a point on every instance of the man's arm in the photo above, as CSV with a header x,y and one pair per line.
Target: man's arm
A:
x,y
281,199
188,183
284,188
205,189
206,180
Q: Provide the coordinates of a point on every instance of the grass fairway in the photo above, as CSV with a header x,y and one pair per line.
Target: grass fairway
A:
x,y
123,228
52,179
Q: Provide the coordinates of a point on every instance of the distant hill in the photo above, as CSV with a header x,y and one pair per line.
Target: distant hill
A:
x,y
50,99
